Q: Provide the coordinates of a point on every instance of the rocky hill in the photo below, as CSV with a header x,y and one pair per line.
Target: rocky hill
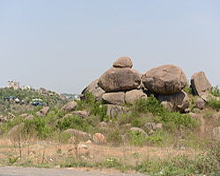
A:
x,y
121,108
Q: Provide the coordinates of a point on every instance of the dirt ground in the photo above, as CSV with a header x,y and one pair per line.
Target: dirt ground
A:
x,y
54,154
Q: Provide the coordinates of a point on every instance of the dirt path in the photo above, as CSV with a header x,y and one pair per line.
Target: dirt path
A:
x,y
18,171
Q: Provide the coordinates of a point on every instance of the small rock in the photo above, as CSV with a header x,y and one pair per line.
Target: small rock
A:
x,y
136,129
103,124
82,149
199,103
43,111
82,114
216,133
29,117
78,134
115,110
99,138
71,106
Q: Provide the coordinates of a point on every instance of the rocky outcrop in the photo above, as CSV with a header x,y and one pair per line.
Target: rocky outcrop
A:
x,y
114,98
133,95
71,106
166,79
94,89
119,79
200,83
177,102
123,62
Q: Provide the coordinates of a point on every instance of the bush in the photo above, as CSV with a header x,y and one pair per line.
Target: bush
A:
x,y
137,138
214,103
37,126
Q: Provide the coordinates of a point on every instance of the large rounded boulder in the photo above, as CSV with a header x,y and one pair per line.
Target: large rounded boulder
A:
x,y
166,79
119,79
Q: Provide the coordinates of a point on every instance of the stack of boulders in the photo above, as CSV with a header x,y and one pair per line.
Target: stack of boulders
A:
x,y
118,85
167,82
122,84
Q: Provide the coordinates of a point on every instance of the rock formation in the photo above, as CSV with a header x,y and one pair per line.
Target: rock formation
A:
x,y
200,83
166,79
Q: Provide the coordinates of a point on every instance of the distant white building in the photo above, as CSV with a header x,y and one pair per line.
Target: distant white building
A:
x,y
13,84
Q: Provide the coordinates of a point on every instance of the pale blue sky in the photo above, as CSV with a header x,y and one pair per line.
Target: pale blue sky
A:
x,y
63,45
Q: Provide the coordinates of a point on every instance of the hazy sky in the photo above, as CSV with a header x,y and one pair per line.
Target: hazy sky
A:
x,y
63,45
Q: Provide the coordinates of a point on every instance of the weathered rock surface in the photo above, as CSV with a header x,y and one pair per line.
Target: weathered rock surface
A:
x,y
78,134
82,114
216,133
116,98
82,149
166,79
117,79
133,95
16,130
114,110
123,62
136,129
94,89
200,83
199,103
71,106
178,101
99,138
43,111
29,117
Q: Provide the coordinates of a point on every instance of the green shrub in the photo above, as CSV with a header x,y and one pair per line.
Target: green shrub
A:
x,y
151,104
214,103
115,137
37,126
215,91
137,138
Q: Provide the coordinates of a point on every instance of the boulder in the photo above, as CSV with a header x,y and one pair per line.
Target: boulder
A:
x,y
199,103
216,133
133,95
114,110
200,83
43,111
78,134
178,101
136,129
116,98
82,149
99,138
71,106
123,62
166,79
16,130
94,89
82,114
118,79
29,117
